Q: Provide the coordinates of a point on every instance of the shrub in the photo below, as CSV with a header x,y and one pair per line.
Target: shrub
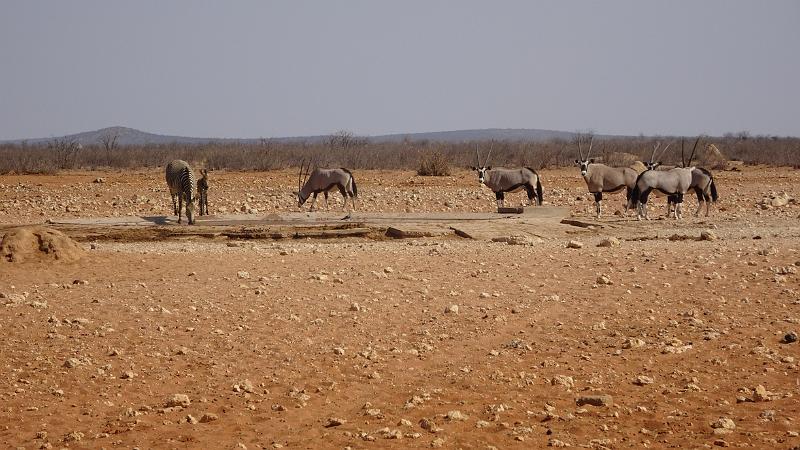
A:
x,y
433,164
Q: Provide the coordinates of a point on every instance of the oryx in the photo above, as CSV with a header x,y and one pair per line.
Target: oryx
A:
x,y
674,182
325,180
501,180
602,178
702,182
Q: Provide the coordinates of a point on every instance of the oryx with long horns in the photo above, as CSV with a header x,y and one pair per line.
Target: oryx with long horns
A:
x,y
325,180
673,183
501,180
601,178
702,182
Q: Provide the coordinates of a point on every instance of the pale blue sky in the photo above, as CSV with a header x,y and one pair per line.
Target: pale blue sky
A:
x,y
267,68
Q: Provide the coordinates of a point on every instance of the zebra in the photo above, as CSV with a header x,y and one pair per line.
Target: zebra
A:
x,y
325,180
180,180
202,192
501,180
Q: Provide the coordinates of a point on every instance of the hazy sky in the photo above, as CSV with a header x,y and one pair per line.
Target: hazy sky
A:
x,y
268,68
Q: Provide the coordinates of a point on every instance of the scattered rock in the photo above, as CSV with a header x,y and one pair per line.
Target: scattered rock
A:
x,y
334,422
451,309
708,235
642,380
594,400
723,425
563,380
789,338
604,280
456,415
208,417
178,400
72,363
518,240
609,242
574,244
761,394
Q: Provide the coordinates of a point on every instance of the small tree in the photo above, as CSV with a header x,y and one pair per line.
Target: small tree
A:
x,y
65,150
109,142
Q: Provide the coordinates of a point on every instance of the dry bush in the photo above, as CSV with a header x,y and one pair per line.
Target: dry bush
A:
x,y
345,150
433,164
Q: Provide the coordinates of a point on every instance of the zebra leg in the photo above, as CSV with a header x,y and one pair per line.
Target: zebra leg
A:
x,y
174,205
180,206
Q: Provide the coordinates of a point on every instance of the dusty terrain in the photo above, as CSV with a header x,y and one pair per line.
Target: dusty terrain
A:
x,y
162,338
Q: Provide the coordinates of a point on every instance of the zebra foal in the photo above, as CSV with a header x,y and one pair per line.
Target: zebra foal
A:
x,y
180,180
202,192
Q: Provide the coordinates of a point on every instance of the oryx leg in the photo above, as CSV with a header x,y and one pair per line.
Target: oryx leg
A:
x,y
643,205
598,197
628,192
701,198
326,200
343,191
313,200
500,197
678,206
531,191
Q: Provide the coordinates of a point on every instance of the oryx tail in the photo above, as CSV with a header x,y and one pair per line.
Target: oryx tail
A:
x,y
539,194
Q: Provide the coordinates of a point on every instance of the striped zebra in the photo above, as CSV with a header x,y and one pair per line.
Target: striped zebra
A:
x,y
180,180
202,192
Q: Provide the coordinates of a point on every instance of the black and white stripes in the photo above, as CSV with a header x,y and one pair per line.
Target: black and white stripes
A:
x,y
180,180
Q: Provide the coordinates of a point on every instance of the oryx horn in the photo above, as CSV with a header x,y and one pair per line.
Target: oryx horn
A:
x,y
693,149
655,149
591,142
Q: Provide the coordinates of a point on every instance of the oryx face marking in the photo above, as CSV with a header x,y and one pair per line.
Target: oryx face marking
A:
x,y
584,166
482,174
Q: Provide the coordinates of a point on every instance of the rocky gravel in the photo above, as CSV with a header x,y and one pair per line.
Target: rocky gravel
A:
x,y
633,342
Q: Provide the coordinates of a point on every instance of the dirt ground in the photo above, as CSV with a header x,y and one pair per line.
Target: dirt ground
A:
x,y
161,339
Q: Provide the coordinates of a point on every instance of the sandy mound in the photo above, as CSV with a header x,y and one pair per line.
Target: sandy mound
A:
x,y
38,244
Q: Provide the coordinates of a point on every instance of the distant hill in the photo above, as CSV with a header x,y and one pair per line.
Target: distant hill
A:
x,y
129,136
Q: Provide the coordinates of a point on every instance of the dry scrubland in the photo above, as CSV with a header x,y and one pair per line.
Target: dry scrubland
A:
x,y
658,339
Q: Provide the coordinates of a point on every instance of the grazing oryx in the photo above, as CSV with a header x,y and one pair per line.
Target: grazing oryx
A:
x,y
202,192
602,178
501,180
324,180
180,180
